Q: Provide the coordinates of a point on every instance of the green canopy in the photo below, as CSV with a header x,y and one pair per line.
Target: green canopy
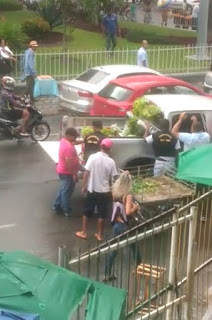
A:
x,y
29,284
195,165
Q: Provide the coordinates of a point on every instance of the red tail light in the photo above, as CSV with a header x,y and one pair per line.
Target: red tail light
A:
x,y
85,94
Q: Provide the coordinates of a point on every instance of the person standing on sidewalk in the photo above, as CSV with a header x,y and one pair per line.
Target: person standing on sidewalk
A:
x,y
195,16
110,28
100,170
123,209
29,68
67,168
142,57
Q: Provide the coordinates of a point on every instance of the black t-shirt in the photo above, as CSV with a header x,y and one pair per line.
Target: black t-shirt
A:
x,y
92,143
164,144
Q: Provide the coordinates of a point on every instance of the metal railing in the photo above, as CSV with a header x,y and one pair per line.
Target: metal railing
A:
x,y
168,60
171,278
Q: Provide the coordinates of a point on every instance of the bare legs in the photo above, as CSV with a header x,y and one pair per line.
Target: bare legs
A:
x,y
83,234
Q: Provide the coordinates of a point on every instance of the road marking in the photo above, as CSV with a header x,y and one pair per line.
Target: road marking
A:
x,y
54,134
7,226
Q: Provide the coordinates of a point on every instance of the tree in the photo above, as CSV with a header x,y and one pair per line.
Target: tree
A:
x,y
210,23
50,11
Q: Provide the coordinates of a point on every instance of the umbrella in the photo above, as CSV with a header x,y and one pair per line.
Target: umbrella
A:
x,y
32,285
195,165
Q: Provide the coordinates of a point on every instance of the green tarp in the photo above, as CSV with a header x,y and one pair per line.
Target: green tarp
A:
x,y
196,165
29,284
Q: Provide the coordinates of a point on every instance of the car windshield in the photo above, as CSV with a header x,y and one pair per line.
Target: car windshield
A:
x,y
92,76
114,92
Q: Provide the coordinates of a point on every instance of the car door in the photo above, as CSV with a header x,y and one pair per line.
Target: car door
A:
x,y
186,124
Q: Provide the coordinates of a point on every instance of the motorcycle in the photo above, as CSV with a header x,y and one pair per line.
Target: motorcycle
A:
x,y
38,129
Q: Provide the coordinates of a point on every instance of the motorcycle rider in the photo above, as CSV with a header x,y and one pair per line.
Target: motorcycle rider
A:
x,y
12,106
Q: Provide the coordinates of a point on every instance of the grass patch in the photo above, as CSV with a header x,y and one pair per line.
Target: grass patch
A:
x,y
86,40
18,16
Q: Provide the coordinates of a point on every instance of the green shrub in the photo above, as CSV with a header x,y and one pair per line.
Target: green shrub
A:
x,y
13,34
10,5
36,28
136,35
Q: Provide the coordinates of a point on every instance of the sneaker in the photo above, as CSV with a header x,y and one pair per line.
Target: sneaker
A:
x,y
56,209
203,219
24,134
67,214
109,278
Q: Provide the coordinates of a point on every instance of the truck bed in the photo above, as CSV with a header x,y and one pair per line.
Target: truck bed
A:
x,y
166,189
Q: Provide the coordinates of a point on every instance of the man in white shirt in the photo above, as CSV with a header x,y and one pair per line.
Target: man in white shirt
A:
x,y
195,16
100,170
142,57
196,138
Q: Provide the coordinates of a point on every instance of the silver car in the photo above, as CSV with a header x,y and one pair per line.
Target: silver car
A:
x,y
77,94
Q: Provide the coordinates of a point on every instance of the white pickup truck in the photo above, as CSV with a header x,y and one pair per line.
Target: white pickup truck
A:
x,y
130,151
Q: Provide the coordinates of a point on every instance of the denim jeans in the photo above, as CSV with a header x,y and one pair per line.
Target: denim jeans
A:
x,y
30,83
119,228
161,167
63,198
110,41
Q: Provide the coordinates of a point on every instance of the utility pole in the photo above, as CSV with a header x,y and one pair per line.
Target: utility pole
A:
x,y
202,31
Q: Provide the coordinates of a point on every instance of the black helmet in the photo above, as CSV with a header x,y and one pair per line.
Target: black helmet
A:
x,y
8,83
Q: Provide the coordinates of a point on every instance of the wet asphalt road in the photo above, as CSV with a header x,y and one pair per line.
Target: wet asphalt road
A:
x,y
28,184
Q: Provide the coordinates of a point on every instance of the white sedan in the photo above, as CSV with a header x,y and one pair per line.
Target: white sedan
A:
x,y
77,94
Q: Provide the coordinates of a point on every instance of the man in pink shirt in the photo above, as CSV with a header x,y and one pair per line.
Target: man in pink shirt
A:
x,y
67,168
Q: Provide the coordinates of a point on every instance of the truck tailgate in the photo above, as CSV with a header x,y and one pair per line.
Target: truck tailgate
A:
x,y
52,149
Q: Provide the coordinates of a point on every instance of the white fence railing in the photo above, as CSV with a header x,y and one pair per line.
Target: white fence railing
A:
x,y
172,279
168,60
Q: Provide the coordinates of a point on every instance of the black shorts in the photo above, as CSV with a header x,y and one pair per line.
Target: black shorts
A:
x,y
103,202
13,114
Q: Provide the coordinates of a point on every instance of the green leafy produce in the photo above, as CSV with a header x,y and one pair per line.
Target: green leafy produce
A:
x,y
134,129
140,185
145,111
86,130
108,131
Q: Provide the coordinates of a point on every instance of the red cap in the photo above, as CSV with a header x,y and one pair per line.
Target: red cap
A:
x,y
107,143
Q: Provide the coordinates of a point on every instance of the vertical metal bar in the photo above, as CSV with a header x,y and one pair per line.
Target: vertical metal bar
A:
x,y
190,264
172,263
61,256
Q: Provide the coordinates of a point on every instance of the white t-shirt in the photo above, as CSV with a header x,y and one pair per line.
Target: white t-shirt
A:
x,y
193,140
141,57
195,12
5,52
102,170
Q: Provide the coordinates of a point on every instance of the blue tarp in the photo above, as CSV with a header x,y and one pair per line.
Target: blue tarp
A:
x,y
9,315
45,87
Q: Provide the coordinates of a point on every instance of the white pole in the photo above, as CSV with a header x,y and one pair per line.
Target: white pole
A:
x,y
202,32
190,264
172,264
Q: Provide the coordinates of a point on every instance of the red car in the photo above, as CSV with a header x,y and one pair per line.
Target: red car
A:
x,y
118,96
